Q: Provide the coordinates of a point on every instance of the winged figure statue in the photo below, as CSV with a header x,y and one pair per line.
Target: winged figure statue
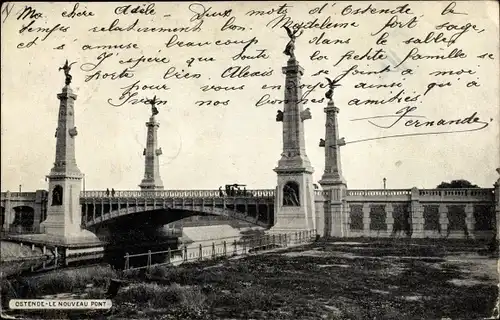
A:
x,y
332,84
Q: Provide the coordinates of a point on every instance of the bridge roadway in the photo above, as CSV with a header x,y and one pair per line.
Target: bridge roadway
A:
x,y
165,206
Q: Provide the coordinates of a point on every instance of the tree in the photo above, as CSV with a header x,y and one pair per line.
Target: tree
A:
x,y
454,184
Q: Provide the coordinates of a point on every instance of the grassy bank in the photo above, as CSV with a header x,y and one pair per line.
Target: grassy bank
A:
x,y
330,280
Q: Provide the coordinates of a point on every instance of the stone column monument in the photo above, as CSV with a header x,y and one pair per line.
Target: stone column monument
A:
x,y
64,213
152,179
332,181
294,206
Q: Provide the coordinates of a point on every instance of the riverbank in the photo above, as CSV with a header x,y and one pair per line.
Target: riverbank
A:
x,y
15,258
339,280
11,251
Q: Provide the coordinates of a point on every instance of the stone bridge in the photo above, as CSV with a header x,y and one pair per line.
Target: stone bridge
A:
x,y
166,206
416,213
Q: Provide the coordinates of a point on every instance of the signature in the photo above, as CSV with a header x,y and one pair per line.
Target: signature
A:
x,y
465,124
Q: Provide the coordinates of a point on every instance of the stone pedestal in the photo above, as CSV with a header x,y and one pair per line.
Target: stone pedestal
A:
x,y
338,214
292,218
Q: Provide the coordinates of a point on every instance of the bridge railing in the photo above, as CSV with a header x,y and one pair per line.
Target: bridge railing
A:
x,y
3,195
323,193
200,251
462,192
176,193
465,192
379,192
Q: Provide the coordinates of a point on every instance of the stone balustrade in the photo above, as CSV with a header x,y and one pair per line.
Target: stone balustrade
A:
x,y
268,193
379,192
472,192
321,193
426,195
18,195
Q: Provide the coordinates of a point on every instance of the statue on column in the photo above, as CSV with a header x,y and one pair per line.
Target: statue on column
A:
x,y
290,47
332,84
279,116
67,69
153,102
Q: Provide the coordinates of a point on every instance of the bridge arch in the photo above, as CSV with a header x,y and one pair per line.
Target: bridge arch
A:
x,y
24,216
163,213
171,215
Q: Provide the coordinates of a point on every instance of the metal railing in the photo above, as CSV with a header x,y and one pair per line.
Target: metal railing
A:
x,y
175,194
221,249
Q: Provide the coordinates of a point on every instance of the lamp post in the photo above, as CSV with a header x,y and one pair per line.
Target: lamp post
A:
x,y
384,182
19,188
84,182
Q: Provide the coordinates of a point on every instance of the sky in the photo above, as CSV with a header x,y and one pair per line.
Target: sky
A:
x,y
207,146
